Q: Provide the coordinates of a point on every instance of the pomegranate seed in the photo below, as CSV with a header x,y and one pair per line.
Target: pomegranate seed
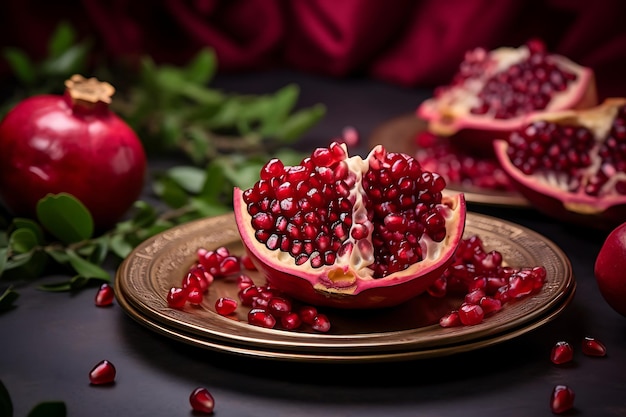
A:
x,y
438,288
562,352
247,263
490,305
593,347
562,399
474,296
471,314
307,314
202,401
279,306
229,265
103,373
244,281
290,321
261,318
450,320
248,294
225,306
192,280
177,297
195,296
321,323
105,295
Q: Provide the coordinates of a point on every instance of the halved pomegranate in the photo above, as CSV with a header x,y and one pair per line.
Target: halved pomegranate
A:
x,y
348,232
572,164
493,91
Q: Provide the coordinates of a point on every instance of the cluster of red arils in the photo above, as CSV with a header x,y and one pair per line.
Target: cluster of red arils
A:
x,y
562,398
486,283
269,307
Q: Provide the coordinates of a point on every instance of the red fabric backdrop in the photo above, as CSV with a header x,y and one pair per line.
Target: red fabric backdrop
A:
x,y
415,43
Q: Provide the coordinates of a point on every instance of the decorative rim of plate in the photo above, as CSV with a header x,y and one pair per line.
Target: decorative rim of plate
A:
x,y
159,263
323,355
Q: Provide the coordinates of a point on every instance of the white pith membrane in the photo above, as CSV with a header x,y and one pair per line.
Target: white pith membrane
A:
x,y
352,269
599,121
450,110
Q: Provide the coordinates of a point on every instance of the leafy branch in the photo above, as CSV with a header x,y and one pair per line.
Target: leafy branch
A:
x,y
226,137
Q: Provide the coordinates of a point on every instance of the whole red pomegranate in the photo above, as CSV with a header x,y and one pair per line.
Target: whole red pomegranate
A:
x,y
350,232
609,269
493,91
572,164
71,143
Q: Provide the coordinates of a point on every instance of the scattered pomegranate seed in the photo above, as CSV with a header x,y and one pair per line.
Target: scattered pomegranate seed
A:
x,y
307,314
103,373
562,399
321,323
261,318
177,297
247,263
450,320
484,281
593,347
105,295
471,314
202,401
225,306
291,321
244,281
195,296
279,306
562,352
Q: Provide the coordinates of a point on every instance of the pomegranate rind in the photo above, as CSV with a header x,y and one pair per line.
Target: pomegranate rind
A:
x,y
331,286
606,211
447,115
609,269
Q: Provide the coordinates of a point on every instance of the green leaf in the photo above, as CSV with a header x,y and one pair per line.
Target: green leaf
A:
x,y
87,269
65,217
49,409
62,39
62,286
6,406
75,283
7,300
191,179
21,65
23,223
208,208
214,182
299,123
144,215
71,61
170,192
201,69
4,256
280,105
23,240
120,246
59,256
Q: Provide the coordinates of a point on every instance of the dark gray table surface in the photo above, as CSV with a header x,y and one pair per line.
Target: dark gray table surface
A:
x,y
50,341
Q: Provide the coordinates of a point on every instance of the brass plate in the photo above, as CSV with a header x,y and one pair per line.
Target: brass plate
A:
x,y
398,135
409,330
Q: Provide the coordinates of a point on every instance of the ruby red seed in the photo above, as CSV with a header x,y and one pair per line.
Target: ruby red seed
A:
x,y
202,401
562,399
593,347
225,306
562,352
177,297
103,373
105,295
